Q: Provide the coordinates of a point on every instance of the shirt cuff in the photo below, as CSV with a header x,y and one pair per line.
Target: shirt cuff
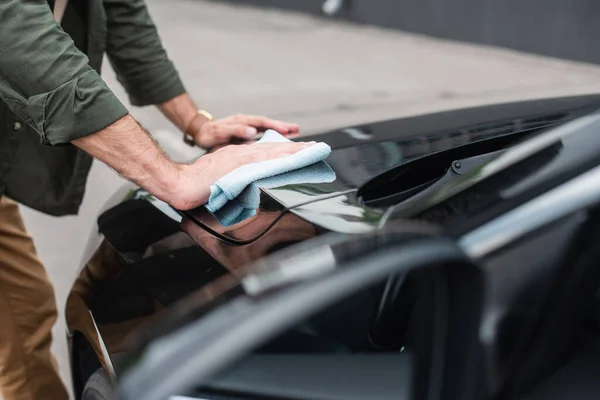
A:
x,y
155,85
78,108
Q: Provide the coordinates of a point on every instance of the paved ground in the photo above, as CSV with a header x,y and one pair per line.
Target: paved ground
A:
x,y
319,73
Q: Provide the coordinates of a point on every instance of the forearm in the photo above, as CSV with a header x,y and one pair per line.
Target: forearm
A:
x,y
180,110
127,148
183,113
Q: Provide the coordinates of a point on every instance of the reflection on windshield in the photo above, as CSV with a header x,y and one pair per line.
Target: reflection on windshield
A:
x,y
247,202
354,165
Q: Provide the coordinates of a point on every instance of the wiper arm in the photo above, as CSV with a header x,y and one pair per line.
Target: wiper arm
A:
x,y
418,177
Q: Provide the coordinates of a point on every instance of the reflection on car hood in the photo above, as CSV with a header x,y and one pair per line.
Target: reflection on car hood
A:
x,y
362,153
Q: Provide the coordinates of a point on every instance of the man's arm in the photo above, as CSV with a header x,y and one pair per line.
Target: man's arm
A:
x,y
45,80
128,149
132,153
182,112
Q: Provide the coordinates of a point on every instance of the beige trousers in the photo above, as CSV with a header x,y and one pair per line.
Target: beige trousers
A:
x,y
27,313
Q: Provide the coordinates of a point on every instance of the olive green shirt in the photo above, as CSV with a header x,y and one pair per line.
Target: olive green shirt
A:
x,y
50,84
56,90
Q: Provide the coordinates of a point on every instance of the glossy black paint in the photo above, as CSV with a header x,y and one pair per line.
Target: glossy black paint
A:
x,y
279,310
367,151
142,263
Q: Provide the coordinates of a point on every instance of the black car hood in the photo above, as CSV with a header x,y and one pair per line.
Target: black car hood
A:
x,y
145,263
362,153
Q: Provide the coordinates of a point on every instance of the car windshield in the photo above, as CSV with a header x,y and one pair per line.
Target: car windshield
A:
x,y
411,177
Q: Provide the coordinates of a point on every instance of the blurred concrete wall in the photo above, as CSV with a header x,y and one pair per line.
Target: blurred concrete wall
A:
x,y
560,28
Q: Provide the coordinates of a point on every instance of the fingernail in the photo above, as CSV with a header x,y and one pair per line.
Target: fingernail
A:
x,y
251,132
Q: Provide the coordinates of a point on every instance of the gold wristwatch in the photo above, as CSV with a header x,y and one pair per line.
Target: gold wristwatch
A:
x,y
189,139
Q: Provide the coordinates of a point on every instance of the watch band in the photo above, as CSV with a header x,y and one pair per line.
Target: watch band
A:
x,y
189,139
206,114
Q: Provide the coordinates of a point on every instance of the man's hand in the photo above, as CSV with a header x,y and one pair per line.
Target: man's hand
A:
x,y
127,148
182,111
209,134
194,180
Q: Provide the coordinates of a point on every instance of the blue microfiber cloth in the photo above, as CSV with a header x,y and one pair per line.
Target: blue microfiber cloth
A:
x,y
236,196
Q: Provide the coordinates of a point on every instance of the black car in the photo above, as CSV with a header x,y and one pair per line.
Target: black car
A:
x,y
454,256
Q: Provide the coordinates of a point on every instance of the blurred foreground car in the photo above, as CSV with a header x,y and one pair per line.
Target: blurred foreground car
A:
x,y
455,256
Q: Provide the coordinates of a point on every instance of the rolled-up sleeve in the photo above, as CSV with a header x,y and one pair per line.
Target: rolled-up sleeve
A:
x,y
46,81
137,55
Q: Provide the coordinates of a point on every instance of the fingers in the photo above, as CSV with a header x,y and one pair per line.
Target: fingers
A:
x,y
238,130
244,127
281,149
245,154
282,127
293,129
269,151
195,178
